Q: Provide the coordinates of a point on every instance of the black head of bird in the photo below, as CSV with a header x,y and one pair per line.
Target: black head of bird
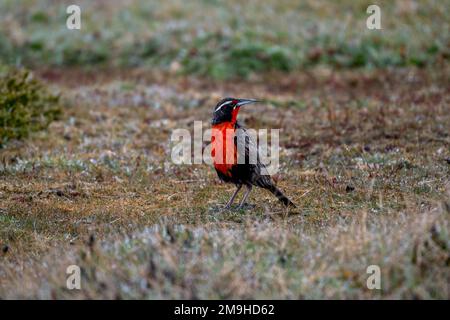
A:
x,y
227,109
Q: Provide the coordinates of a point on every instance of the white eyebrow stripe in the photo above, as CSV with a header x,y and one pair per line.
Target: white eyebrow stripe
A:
x,y
223,104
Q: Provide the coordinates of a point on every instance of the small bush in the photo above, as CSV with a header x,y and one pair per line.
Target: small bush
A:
x,y
26,105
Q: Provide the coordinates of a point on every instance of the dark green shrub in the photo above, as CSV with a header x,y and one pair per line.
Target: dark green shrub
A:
x,y
26,105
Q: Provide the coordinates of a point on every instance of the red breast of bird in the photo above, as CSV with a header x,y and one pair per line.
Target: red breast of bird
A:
x,y
223,149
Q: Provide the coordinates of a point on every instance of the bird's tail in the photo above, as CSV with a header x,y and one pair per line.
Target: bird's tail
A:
x,y
280,195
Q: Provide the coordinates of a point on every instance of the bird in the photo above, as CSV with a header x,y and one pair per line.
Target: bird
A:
x,y
226,148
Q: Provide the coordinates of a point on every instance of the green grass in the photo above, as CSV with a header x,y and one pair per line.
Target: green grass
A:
x,y
224,40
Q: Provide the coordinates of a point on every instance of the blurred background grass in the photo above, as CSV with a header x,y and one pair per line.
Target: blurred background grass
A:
x,y
224,39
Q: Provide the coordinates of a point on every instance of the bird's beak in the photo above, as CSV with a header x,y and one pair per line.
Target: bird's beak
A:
x,y
242,102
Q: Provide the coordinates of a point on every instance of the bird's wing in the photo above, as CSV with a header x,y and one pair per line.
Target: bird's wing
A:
x,y
247,150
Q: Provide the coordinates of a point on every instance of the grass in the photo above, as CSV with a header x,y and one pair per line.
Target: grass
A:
x,y
365,150
364,155
224,39
263,257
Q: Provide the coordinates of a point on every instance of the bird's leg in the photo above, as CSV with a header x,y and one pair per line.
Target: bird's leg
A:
x,y
249,188
230,202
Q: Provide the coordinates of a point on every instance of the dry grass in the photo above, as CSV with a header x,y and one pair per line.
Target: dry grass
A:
x,y
365,155
263,257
